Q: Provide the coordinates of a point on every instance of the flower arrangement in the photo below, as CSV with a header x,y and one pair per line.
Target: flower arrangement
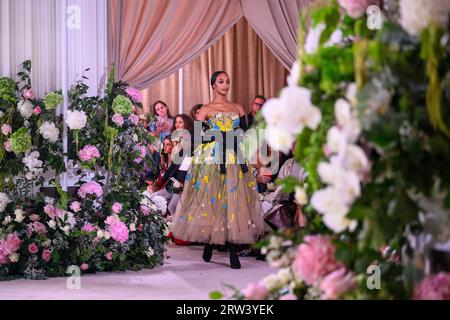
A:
x,y
377,193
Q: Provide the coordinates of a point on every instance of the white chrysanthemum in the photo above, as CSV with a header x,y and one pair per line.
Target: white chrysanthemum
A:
x,y
25,108
76,120
4,200
49,131
416,15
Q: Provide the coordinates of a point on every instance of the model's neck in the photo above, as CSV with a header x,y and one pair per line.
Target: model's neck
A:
x,y
218,98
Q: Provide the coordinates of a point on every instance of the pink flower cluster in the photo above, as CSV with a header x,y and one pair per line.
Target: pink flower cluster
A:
x,y
134,94
90,187
256,291
53,212
36,227
89,153
6,129
356,8
116,207
434,287
8,246
316,265
117,229
88,227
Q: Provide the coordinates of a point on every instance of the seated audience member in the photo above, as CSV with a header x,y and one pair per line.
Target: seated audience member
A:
x,y
195,110
162,123
255,107
152,173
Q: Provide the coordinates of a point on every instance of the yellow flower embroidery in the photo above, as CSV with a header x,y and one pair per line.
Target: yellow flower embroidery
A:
x,y
251,184
206,179
232,217
219,196
190,218
240,174
205,214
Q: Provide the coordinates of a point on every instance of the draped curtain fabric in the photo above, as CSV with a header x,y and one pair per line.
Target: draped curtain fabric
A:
x,y
242,54
276,22
151,39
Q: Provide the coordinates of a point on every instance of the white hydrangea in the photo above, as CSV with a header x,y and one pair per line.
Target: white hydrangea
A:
x,y
25,108
49,131
417,15
4,200
76,120
33,164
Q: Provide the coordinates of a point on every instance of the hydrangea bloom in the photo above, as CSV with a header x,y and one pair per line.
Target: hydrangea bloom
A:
x,y
89,153
90,188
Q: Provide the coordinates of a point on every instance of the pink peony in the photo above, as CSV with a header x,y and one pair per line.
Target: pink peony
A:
x,y
134,94
109,256
84,266
37,110
356,8
315,259
337,283
89,153
88,228
37,227
8,246
117,119
434,287
116,207
145,210
288,296
90,188
6,129
134,119
28,93
117,229
255,291
46,255
7,146
75,206
33,248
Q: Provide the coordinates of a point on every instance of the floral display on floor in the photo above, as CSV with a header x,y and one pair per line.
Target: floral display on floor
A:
x,y
108,223
371,93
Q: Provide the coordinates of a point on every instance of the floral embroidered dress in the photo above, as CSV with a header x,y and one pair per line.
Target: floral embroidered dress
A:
x,y
219,203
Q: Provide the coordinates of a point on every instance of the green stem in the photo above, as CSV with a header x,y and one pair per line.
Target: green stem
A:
x,y
76,141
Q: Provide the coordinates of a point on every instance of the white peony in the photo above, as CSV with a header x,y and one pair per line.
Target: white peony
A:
x,y
417,15
329,201
313,37
4,200
49,131
25,108
76,120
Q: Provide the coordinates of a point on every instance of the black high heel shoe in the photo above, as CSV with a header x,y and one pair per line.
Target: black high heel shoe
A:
x,y
234,259
207,252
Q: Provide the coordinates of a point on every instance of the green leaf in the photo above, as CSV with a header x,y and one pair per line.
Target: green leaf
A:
x,y
216,295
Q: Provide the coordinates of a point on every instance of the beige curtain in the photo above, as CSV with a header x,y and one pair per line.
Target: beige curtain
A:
x,y
242,54
150,39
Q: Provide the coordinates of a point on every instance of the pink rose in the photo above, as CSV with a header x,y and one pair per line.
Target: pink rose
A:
x,y
117,229
433,287
134,94
288,296
8,246
28,94
7,146
109,256
36,227
37,110
356,8
134,119
46,255
315,259
145,210
84,266
117,119
6,129
116,207
75,206
33,248
255,291
336,283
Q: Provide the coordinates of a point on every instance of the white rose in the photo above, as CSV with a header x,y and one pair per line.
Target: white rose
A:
x,y
25,108
301,197
7,220
52,224
100,233
14,257
106,235
49,131
76,120
132,227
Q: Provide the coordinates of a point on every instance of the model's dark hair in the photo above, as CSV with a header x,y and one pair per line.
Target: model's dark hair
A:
x,y
164,104
194,110
215,75
259,96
